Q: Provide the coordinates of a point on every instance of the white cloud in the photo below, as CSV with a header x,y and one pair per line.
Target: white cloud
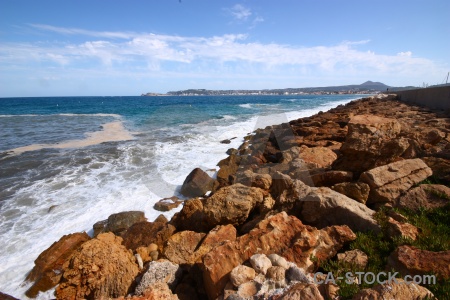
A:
x,y
240,12
407,53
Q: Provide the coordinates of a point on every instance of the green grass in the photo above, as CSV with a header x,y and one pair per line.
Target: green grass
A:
x,y
434,236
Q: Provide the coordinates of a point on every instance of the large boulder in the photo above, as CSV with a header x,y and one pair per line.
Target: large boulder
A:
x,y
409,260
119,223
390,181
394,290
324,207
358,191
426,196
143,234
371,141
197,183
181,246
322,157
159,272
47,270
280,234
101,268
440,167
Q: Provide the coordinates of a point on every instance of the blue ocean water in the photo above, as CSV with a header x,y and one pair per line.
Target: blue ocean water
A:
x,y
68,162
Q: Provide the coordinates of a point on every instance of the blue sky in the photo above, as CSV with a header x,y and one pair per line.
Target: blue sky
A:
x,y
64,48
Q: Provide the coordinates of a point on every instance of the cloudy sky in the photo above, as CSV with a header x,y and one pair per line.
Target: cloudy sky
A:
x,y
78,48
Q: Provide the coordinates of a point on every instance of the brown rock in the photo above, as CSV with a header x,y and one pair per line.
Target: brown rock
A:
x,y
321,156
398,229
228,168
241,274
330,178
413,261
162,271
143,234
214,238
301,291
388,182
7,297
280,234
248,178
324,207
248,289
354,257
276,273
358,191
181,246
392,290
48,267
119,223
197,183
167,204
440,167
426,196
191,216
100,268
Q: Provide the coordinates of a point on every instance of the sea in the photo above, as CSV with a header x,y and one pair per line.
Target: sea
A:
x,y
68,162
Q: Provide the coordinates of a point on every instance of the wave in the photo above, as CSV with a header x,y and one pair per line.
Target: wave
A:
x,y
247,105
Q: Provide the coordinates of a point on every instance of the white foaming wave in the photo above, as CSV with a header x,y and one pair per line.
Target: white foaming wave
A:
x,y
80,196
247,105
228,117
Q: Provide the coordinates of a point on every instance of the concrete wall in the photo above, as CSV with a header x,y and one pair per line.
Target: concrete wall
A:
x,y
435,97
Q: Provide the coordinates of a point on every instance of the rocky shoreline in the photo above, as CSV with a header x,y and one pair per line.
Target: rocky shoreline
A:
x,y
292,196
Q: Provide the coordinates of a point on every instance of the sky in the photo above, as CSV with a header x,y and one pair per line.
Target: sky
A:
x,y
126,48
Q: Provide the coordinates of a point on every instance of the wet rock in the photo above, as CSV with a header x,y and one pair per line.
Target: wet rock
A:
x,y
426,196
197,183
102,267
241,274
143,234
392,290
159,271
260,263
388,182
119,223
167,204
7,297
413,261
324,207
48,267
354,257
358,191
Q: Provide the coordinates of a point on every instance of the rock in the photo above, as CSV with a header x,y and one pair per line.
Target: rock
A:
x,y
280,183
161,218
214,238
231,205
167,204
434,136
278,261
440,167
425,195
143,234
228,168
119,223
47,270
413,261
181,246
260,263
392,290
162,272
398,229
155,291
358,191
225,141
99,268
296,274
7,297
241,274
321,156
324,207
191,217
301,291
248,178
197,183
330,178
278,234
248,289
388,182
354,257
276,273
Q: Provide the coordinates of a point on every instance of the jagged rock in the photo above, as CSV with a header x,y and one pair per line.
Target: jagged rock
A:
x,y
392,290
159,271
405,230
440,167
214,238
241,274
155,291
324,207
228,168
358,191
280,234
426,196
356,257
143,234
248,178
181,246
280,183
167,204
301,291
197,183
260,263
119,223
99,268
321,156
413,261
388,182
330,178
47,270
191,217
